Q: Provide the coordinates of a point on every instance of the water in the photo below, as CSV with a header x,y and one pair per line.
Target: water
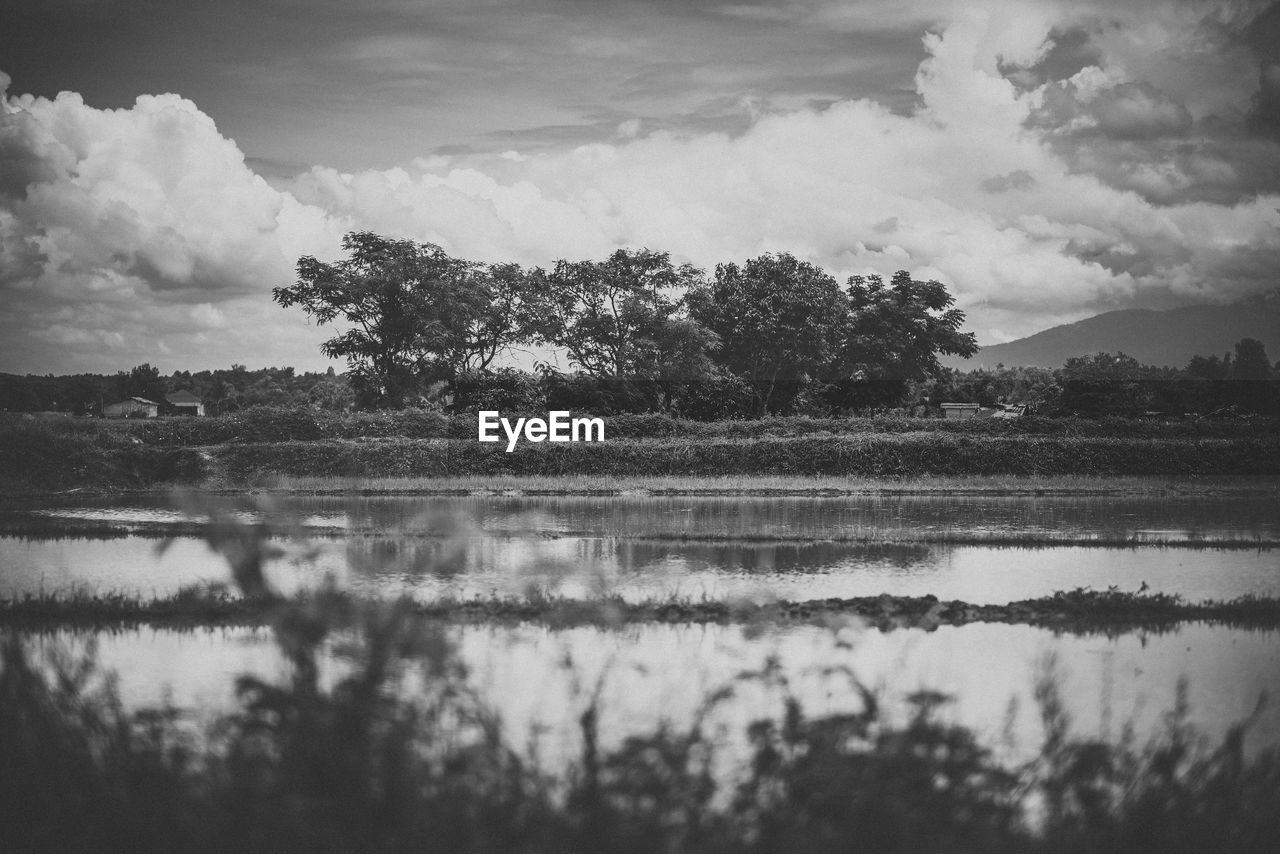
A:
x,y
879,517
1109,684
481,565
980,549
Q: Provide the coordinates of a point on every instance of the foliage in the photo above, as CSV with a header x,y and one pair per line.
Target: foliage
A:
x,y
505,390
893,335
222,391
868,455
779,322
621,324
414,314
617,318
1251,361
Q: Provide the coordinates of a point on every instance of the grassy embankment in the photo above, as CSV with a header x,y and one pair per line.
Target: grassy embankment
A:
x,y
269,447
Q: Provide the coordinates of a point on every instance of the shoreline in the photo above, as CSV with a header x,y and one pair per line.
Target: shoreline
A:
x,y
765,486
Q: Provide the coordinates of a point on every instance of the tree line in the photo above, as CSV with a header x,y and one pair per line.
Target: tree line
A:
x,y
773,335
1115,384
770,336
222,391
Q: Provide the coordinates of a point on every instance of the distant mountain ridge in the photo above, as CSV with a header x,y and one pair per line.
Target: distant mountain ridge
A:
x,y
1158,338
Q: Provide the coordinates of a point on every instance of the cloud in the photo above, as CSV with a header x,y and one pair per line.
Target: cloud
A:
x,y
1048,171
115,223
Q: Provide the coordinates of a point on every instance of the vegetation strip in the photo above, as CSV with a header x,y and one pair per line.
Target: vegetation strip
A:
x,y
57,529
38,457
1077,611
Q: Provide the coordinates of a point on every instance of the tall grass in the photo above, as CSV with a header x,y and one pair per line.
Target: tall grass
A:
x,y
869,455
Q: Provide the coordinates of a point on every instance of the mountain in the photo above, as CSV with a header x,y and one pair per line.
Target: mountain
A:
x,y
1158,338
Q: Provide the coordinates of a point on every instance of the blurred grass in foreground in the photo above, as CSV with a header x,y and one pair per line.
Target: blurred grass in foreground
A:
x,y
360,763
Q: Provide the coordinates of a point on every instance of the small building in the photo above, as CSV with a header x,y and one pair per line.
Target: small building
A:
x,y
1010,410
960,410
134,407
185,403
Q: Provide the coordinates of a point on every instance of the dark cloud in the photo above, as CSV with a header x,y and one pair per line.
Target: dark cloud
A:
x,y
1138,111
308,80
1135,137
1071,49
1019,179
20,164
1262,36
1127,111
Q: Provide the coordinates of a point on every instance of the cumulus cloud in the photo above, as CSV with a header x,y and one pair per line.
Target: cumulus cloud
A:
x,y
1049,171
117,223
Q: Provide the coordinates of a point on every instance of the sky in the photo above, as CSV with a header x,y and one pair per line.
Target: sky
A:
x,y
164,163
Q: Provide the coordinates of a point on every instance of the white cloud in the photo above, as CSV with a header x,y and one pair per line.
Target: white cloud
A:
x,y
141,230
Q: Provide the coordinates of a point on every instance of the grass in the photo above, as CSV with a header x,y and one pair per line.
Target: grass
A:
x,y
369,759
864,455
278,424
1078,611
256,447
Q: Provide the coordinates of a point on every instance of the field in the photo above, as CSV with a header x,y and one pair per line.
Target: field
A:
x,y
310,633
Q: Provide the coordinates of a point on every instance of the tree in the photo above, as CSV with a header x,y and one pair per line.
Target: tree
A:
x,y
141,381
1103,384
1209,367
778,320
893,336
416,315
1251,361
617,318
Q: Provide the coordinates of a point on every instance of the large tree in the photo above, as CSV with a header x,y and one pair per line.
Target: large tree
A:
x,y
893,336
415,315
620,317
778,320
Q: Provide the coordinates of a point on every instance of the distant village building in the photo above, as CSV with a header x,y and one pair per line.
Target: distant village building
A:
x,y
185,403
134,407
1010,410
960,410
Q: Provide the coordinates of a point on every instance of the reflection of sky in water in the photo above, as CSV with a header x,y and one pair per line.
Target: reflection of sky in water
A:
x,y
1105,682
471,565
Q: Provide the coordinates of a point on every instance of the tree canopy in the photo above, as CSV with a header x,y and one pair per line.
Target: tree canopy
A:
x,y
618,317
414,314
778,320
892,336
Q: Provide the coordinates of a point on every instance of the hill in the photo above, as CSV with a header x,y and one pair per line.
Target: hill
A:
x,y
1158,338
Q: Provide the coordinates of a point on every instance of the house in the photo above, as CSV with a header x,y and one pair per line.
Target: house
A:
x,y
185,403
960,410
134,407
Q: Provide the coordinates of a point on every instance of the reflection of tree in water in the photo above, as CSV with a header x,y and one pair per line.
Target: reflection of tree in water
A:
x,y
637,557
441,548
412,557
856,516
